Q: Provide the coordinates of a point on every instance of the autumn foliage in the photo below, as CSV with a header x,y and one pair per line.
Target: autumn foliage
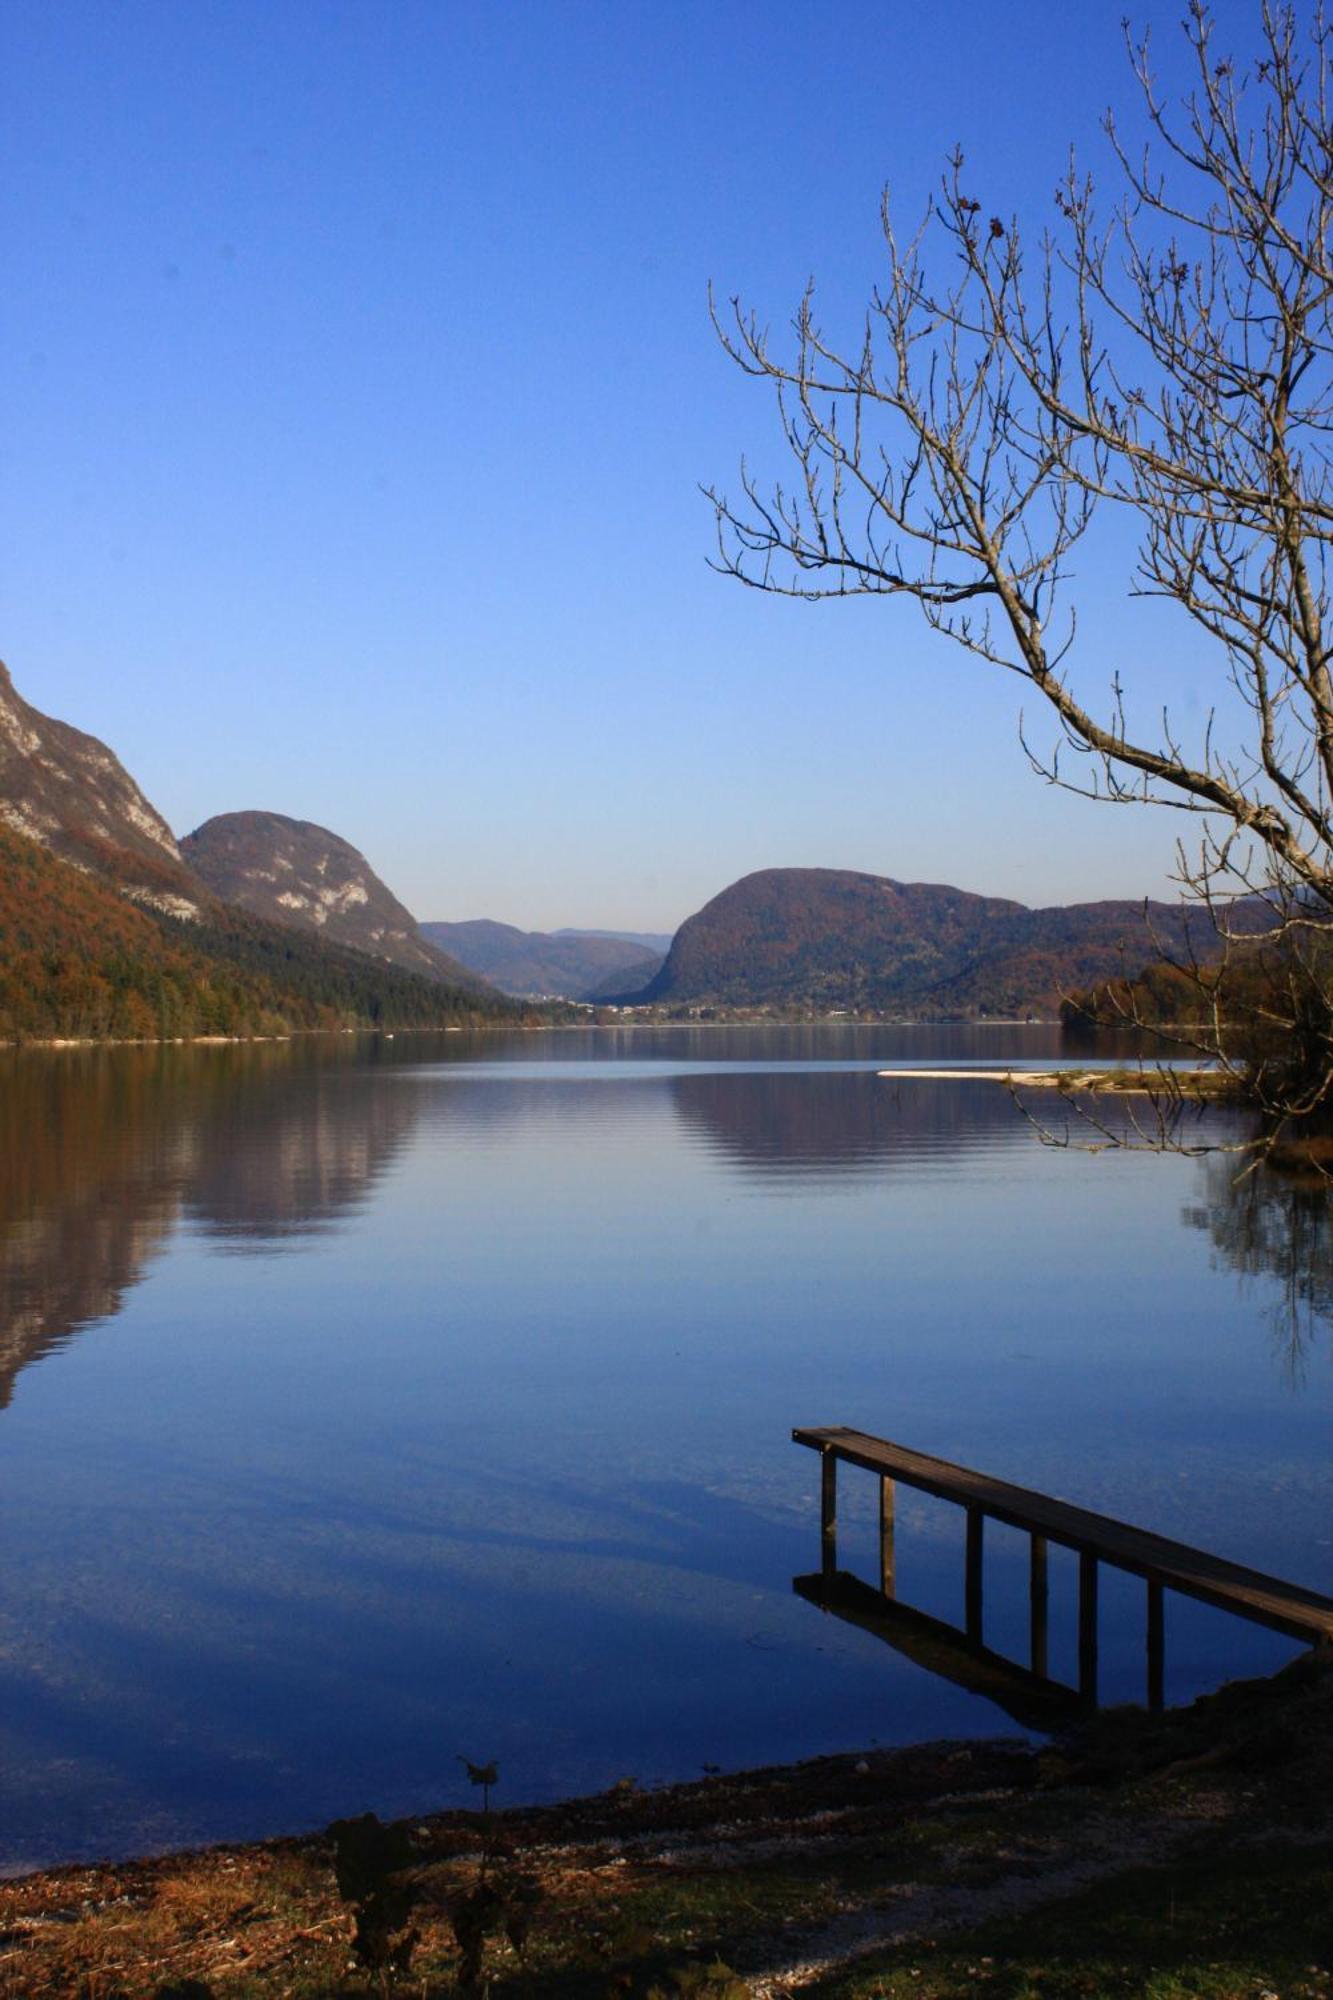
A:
x,y
79,959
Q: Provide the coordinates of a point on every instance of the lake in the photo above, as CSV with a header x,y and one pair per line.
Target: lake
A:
x,y
368,1403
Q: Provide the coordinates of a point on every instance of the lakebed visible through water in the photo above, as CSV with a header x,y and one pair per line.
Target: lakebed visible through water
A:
x,y
365,1404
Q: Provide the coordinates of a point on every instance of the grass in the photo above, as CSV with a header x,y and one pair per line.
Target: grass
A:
x,y
1216,1926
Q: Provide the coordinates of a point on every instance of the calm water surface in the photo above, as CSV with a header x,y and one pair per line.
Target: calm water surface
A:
x,y
367,1403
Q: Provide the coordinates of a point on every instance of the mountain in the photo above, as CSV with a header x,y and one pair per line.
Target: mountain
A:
x,y
611,985
80,958
823,938
577,965
105,931
292,872
72,794
655,944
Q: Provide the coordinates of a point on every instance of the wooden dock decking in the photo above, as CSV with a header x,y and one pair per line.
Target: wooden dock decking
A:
x,y
1289,1608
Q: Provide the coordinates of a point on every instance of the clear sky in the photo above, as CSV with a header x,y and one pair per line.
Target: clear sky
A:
x,y
358,383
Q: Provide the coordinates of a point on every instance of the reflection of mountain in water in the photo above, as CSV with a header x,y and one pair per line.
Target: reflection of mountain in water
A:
x,y
832,1122
1271,1225
91,1162
100,1150
286,1161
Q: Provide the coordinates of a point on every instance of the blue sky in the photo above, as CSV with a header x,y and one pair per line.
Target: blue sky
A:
x,y
358,384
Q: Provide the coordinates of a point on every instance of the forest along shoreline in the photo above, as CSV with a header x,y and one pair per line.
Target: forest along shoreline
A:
x,y
1185,1853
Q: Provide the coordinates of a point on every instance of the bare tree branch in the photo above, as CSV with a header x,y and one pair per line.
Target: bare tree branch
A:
x,y
1171,356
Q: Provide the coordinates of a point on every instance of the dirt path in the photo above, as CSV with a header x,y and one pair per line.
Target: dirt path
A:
x,y
1036,1873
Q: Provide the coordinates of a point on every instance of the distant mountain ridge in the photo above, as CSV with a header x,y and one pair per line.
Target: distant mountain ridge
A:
x,y
257,919
576,965
291,871
657,943
826,939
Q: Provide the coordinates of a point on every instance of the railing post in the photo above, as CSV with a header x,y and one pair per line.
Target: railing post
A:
x,y
1038,1599
1087,1626
887,1579
828,1511
976,1524
1094,1538
1156,1647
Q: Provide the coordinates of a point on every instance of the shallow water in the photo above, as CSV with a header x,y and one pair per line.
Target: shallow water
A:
x,y
368,1403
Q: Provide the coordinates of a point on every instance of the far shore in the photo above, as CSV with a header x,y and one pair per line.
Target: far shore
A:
x,y
623,1020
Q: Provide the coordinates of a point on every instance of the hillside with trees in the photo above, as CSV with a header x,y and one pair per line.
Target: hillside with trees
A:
x,y
77,958
822,939
294,873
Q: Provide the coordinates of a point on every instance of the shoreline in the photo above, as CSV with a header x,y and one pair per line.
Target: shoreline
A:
x,y
246,1041
15,1045
898,1871
1164,1081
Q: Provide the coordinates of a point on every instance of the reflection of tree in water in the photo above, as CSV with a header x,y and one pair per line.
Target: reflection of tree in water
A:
x,y
1268,1224
100,1150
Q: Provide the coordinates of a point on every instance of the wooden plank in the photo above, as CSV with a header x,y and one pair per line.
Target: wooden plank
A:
x,y
1267,1600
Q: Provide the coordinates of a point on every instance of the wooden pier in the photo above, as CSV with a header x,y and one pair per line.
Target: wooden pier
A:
x,y
1095,1538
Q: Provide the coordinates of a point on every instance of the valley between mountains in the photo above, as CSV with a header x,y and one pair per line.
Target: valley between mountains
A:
x,y
256,922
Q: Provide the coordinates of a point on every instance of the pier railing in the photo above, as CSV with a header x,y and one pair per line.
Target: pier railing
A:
x,y
1095,1538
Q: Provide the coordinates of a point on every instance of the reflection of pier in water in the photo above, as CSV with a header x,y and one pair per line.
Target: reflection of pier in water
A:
x,y
961,1654
1033,1700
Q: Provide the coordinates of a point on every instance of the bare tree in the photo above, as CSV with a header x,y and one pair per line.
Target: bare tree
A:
x,y
1170,356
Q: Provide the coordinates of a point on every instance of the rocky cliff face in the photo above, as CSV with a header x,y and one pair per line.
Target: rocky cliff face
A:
x,y
68,791
293,872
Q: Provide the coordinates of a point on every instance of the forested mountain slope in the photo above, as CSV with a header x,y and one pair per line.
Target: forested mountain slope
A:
x,y
77,958
826,938
290,871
